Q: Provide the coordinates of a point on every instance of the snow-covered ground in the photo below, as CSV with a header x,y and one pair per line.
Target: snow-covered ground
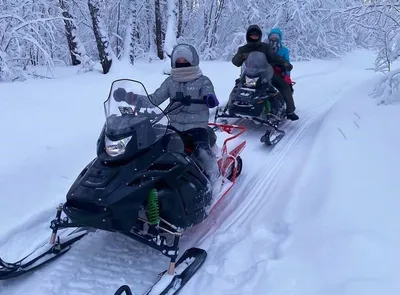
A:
x,y
316,214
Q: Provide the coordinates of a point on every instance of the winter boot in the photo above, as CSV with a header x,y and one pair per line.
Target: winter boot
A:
x,y
292,116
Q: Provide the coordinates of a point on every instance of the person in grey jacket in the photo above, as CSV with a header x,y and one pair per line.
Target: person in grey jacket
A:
x,y
191,120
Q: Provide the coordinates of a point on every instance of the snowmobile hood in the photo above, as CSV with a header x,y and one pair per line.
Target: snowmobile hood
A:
x,y
252,29
186,51
278,32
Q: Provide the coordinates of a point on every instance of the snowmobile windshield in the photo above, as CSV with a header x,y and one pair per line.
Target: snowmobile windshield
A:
x,y
256,65
131,116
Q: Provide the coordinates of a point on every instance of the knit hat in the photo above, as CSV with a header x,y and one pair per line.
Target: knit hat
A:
x,y
187,52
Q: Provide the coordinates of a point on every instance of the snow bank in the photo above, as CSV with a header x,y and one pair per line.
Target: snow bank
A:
x,y
343,216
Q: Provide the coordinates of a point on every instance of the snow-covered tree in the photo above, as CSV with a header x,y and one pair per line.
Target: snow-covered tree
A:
x,y
76,47
158,28
170,35
132,32
102,41
27,33
48,32
388,88
382,20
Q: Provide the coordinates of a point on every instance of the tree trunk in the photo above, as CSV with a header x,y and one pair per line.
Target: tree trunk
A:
x,y
170,35
180,19
100,36
70,33
159,34
150,28
132,32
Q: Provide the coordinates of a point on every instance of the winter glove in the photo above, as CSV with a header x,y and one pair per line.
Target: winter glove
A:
x,y
132,98
211,100
288,80
119,94
278,71
129,97
288,66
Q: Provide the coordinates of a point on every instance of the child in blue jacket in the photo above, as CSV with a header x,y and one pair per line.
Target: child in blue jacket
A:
x,y
275,40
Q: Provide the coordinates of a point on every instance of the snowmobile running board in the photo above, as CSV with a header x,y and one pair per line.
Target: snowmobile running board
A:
x,y
170,281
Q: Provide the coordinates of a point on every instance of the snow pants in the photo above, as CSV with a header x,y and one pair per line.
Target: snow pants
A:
x,y
279,83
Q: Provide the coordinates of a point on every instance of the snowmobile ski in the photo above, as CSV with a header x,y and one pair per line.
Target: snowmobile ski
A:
x,y
123,290
171,281
272,137
40,256
181,273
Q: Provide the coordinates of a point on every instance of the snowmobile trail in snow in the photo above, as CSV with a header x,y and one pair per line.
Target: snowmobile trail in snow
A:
x,y
98,264
253,218
250,218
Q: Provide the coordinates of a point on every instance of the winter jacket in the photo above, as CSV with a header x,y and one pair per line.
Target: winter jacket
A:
x,y
185,117
282,51
273,58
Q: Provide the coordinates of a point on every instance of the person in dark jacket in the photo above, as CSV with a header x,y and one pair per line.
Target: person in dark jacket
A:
x,y
253,38
192,120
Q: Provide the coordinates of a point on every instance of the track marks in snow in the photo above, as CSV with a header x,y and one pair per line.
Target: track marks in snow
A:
x,y
248,223
98,264
103,262
255,216
350,125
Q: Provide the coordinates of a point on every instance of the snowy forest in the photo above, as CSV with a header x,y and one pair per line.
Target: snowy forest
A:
x,y
85,32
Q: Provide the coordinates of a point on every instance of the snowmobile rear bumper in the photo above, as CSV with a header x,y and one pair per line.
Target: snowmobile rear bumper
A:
x,y
271,137
256,119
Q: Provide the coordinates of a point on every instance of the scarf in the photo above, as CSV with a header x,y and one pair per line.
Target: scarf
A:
x,y
186,74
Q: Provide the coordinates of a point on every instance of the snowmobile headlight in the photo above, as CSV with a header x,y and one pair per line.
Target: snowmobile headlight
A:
x,y
251,82
116,148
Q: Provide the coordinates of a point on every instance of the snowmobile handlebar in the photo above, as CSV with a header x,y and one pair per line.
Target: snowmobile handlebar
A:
x,y
186,99
180,98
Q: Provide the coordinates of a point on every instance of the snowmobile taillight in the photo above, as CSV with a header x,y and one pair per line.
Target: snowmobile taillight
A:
x,y
251,82
116,148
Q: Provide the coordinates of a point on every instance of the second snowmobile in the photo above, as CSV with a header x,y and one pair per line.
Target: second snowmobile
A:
x,y
144,184
254,97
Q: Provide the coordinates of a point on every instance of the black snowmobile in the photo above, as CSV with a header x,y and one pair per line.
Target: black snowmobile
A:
x,y
254,98
143,184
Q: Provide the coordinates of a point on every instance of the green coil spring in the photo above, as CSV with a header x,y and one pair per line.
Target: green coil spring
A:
x,y
153,213
267,106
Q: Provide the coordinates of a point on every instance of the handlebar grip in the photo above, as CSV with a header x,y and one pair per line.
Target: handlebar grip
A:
x,y
191,101
198,101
